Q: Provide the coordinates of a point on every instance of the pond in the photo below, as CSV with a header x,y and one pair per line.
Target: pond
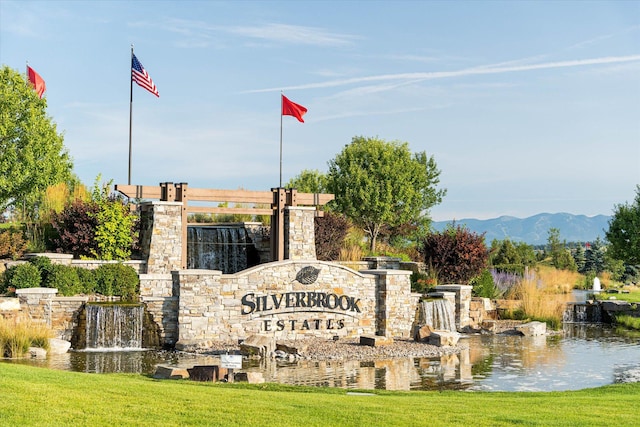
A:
x,y
583,356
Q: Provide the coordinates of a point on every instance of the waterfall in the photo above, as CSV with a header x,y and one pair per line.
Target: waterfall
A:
x,y
217,248
114,326
582,313
439,314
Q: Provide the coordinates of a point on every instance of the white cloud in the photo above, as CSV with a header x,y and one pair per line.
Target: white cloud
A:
x,y
490,69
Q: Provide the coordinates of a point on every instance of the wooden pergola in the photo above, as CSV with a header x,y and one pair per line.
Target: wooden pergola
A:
x,y
277,199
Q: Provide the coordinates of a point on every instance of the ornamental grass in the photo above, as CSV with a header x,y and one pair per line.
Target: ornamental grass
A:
x,y
18,334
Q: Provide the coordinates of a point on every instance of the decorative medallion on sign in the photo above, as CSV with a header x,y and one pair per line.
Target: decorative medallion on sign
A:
x,y
307,275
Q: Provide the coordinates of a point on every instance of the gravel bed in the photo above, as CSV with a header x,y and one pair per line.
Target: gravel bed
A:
x,y
347,349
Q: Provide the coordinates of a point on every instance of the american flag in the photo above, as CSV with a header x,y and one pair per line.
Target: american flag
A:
x,y
141,77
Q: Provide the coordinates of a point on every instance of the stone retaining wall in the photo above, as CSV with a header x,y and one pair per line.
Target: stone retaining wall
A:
x,y
270,299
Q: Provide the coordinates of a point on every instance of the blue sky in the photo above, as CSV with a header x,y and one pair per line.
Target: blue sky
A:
x,y
527,107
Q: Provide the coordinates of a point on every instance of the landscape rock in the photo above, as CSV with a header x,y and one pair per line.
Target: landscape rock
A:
x,y
375,340
207,373
58,346
532,329
250,377
257,346
299,348
444,338
170,373
37,353
423,333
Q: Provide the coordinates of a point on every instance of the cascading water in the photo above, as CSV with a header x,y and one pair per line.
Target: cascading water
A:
x,y
218,248
439,314
580,312
114,326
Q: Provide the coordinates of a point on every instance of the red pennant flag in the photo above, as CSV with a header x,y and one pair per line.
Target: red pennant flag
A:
x,y
36,81
292,109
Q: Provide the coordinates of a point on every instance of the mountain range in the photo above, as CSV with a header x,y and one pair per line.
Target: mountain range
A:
x,y
534,230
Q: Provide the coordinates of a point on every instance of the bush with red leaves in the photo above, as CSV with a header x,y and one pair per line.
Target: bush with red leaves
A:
x,y
75,227
330,230
456,255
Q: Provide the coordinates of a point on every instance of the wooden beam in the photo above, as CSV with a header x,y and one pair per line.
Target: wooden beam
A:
x,y
139,191
232,211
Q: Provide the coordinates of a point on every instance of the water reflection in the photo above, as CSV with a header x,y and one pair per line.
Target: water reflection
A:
x,y
584,356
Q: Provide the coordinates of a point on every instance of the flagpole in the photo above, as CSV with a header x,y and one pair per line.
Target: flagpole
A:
x,y
281,94
130,112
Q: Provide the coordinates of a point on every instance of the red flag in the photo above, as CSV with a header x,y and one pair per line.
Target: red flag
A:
x,y
292,109
36,81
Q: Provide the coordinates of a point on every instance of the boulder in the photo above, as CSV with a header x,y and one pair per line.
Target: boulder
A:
x,y
257,345
532,329
170,373
423,333
58,346
375,340
250,377
300,348
615,305
37,353
443,338
208,373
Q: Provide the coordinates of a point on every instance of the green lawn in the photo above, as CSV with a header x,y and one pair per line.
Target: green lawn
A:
x,y
631,296
42,397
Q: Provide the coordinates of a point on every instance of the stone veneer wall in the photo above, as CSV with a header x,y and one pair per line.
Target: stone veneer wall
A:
x,y
211,304
161,236
299,242
37,302
65,315
395,303
159,297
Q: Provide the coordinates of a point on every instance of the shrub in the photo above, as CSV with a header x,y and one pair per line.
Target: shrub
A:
x,y
88,280
65,279
504,281
75,227
115,224
117,279
483,285
22,276
12,244
510,268
422,283
43,264
455,254
330,231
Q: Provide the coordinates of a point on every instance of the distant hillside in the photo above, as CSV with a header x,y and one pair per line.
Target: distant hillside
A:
x,y
534,230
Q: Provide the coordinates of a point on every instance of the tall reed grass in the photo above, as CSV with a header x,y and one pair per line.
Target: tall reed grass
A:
x,y
18,334
544,294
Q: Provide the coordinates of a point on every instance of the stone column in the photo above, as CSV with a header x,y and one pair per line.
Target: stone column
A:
x,y
161,236
37,302
395,304
463,303
299,233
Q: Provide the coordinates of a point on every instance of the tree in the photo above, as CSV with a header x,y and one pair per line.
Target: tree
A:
x,y
594,260
455,255
32,155
379,183
561,257
624,232
506,253
309,181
